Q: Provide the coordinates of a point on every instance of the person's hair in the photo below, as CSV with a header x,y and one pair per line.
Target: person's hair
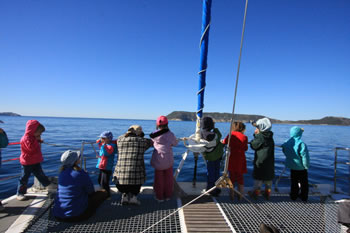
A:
x,y
162,126
75,167
40,128
130,132
238,126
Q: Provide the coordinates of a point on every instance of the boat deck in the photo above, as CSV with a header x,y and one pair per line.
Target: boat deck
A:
x,y
207,214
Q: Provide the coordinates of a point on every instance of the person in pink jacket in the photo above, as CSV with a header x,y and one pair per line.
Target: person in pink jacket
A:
x,y
163,160
31,157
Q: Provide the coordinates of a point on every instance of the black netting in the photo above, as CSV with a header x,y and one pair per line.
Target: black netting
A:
x,y
283,213
113,217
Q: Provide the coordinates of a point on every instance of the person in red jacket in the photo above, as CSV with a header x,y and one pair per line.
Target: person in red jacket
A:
x,y
237,162
31,157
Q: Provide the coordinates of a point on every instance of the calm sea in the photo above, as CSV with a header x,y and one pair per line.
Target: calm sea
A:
x,y
70,132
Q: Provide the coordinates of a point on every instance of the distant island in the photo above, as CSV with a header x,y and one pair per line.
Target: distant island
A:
x,y
8,114
226,117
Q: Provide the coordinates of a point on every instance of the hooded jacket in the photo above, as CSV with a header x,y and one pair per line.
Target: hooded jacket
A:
x,y
162,156
295,150
30,146
264,156
106,157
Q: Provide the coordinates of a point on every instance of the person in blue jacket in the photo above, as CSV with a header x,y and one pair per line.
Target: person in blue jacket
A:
x,y
298,160
105,160
76,199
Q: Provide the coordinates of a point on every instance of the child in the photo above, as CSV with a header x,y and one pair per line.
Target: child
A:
x,y
3,143
105,160
264,157
163,159
31,157
76,199
237,162
130,172
297,159
213,152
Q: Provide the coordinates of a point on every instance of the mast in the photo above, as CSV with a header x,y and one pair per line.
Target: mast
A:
x,y
204,44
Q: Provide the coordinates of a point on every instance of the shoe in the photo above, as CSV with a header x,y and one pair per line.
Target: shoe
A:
x,y
21,197
125,199
133,200
254,194
51,188
267,194
232,195
204,191
159,201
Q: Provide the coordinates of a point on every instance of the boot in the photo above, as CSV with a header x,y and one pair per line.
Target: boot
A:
x,y
232,194
254,194
241,190
267,194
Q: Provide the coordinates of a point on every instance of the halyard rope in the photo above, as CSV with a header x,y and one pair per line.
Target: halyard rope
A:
x,y
226,162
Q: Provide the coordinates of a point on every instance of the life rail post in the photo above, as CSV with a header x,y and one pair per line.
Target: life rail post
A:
x,y
335,166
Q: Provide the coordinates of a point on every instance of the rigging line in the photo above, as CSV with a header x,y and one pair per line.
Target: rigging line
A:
x,y
205,31
178,209
236,87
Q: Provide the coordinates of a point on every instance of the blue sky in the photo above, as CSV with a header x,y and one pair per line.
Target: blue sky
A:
x,y
139,58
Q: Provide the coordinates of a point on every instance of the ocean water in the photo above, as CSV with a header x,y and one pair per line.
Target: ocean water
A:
x,y
68,133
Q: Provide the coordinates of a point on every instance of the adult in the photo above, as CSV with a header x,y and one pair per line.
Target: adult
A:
x,y
130,172
76,198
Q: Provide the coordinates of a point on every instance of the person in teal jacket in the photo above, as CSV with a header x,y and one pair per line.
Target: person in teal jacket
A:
x,y
298,160
105,160
3,143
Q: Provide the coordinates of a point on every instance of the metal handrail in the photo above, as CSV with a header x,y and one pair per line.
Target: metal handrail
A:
x,y
336,162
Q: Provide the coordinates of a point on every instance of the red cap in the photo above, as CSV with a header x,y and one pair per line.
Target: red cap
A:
x,y
162,120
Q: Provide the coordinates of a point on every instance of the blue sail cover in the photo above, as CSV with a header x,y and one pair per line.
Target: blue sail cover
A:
x,y
203,55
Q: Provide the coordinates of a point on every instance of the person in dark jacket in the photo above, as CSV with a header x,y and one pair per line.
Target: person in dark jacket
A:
x,y
76,198
213,153
264,157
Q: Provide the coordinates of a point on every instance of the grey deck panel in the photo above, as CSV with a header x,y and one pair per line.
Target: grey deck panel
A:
x,y
13,209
